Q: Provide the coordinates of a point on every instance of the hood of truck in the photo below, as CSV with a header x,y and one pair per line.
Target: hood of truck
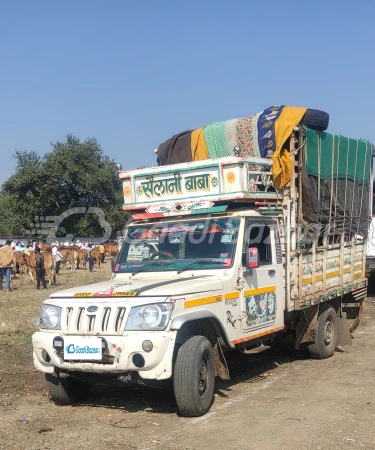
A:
x,y
138,289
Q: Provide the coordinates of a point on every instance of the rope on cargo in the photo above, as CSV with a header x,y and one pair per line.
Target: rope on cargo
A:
x,y
363,185
346,184
298,149
355,174
319,159
333,161
337,176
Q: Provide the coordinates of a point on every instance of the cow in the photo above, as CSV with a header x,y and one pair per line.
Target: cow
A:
x,y
44,247
106,246
73,247
81,259
49,265
96,256
111,249
18,263
69,255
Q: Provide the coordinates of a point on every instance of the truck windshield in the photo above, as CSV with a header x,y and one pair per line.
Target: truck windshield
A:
x,y
192,245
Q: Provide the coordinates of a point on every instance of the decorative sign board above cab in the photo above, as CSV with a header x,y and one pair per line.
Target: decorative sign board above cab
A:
x,y
171,189
172,185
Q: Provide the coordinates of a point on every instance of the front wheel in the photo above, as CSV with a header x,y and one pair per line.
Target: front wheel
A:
x,y
326,334
194,376
66,391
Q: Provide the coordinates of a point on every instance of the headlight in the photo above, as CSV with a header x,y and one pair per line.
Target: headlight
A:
x,y
50,317
149,317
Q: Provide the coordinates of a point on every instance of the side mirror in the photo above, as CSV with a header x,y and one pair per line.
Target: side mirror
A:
x,y
252,258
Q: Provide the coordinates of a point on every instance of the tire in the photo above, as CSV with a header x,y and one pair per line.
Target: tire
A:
x,y
66,391
326,334
194,377
315,119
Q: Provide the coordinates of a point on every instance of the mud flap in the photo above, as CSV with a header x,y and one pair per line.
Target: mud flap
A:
x,y
344,336
345,328
221,367
358,318
306,327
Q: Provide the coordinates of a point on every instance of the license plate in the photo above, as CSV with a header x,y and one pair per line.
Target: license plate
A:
x,y
81,348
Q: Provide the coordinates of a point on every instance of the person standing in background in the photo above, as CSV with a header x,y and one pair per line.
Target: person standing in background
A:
x,y
37,244
28,249
90,258
102,253
57,257
39,267
6,264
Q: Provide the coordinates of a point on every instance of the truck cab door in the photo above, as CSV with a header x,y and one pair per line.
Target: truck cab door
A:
x,y
262,296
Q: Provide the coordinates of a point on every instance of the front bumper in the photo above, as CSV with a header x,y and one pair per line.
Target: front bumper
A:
x,y
118,356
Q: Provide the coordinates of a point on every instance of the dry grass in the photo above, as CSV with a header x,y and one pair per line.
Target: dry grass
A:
x,y
20,307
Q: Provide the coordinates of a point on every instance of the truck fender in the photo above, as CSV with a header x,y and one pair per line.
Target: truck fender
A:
x,y
182,319
207,324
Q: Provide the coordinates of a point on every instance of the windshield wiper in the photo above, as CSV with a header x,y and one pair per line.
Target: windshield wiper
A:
x,y
199,261
153,263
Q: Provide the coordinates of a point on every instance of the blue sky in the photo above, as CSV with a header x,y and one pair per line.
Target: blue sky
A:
x,y
133,73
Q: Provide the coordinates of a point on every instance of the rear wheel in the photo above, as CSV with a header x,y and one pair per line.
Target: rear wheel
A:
x,y
326,334
65,391
194,377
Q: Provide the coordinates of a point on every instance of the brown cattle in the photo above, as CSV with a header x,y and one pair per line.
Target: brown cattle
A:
x,y
45,247
96,255
111,249
106,247
18,262
69,247
69,255
81,258
49,266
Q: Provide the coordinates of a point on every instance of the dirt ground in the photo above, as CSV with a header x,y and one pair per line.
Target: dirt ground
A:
x,y
275,400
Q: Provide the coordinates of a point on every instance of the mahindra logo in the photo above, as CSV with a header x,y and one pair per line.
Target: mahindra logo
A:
x,y
92,309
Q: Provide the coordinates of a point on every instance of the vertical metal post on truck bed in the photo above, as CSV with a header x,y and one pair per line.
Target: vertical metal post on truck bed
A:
x,y
298,176
286,215
290,213
342,259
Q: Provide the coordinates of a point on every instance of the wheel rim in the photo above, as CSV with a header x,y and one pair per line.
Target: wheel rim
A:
x,y
203,376
329,332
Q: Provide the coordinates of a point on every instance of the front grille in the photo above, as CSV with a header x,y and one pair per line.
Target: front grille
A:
x,y
107,320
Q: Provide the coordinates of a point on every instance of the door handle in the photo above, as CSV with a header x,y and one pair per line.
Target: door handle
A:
x,y
272,272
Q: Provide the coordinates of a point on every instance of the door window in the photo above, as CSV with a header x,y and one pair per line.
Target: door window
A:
x,y
259,235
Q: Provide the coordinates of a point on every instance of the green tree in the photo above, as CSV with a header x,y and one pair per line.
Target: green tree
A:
x,y
73,175
10,223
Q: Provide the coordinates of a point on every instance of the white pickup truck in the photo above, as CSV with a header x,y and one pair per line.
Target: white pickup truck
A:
x,y
215,259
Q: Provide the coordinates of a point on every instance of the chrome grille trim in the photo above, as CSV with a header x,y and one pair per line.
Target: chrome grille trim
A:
x,y
107,320
120,319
